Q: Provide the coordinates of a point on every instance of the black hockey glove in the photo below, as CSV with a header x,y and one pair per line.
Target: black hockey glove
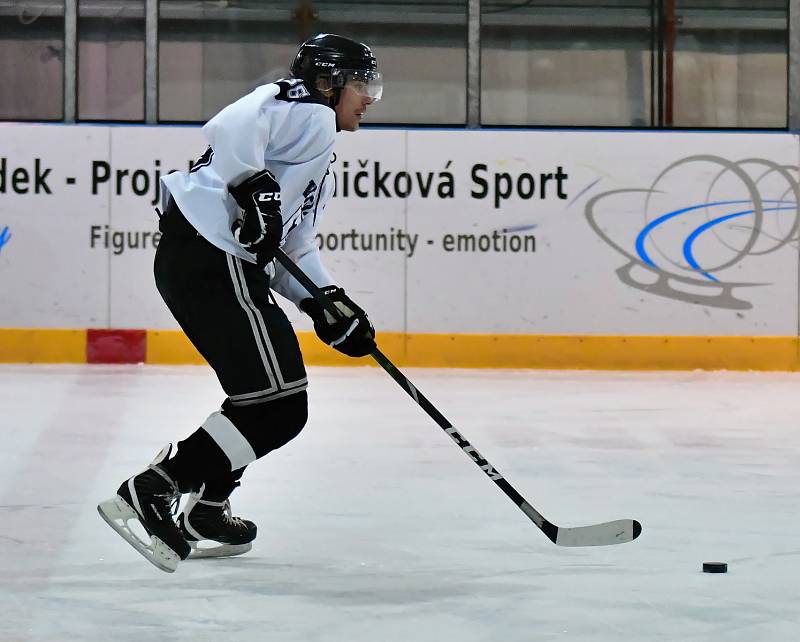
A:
x,y
351,334
260,230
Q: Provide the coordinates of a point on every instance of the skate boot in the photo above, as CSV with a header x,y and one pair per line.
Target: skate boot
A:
x,y
148,498
207,524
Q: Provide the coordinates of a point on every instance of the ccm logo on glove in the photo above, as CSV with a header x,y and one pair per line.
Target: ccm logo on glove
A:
x,y
260,228
351,333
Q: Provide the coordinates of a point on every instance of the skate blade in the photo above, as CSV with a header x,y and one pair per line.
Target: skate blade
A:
x,y
117,512
221,550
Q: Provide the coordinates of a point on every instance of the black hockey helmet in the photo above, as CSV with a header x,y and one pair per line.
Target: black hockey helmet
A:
x,y
328,62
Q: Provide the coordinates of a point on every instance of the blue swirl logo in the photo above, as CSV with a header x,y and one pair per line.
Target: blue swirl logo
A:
x,y
5,237
695,252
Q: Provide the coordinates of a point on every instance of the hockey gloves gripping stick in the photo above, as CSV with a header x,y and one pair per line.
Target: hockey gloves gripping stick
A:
x,y
350,332
260,230
617,532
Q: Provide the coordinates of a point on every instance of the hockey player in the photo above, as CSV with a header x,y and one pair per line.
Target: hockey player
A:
x,y
263,183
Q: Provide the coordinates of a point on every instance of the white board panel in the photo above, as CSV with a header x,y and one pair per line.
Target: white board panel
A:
x,y
52,272
636,233
138,157
530,232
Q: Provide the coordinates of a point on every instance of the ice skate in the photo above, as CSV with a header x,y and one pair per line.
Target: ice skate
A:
x,y
148,498
207,524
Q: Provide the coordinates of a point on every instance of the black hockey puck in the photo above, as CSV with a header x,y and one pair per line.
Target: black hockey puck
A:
x,y
715,567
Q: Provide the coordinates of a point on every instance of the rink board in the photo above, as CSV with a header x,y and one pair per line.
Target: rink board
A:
x,y
495,248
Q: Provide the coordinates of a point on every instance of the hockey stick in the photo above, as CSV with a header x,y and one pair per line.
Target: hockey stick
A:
x,y
616,532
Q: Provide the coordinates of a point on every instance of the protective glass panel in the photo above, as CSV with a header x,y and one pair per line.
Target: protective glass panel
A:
x,y
729,63
212,53
421,52
32,60
111,39
578,63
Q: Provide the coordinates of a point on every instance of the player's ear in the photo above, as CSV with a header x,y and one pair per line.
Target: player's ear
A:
x,y
325,86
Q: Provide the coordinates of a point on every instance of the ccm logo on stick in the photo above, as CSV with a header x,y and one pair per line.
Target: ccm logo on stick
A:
x,y
474,455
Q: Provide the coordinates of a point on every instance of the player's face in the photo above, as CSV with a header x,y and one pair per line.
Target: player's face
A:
x,y
351,109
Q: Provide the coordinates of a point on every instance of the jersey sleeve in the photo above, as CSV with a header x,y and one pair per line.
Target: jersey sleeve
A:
x,y
301,246
240,134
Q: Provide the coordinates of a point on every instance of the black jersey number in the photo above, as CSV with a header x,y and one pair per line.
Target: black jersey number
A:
x,y
292,89
204,160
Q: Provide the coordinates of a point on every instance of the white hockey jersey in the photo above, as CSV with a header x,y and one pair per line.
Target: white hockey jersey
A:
x,y
284,129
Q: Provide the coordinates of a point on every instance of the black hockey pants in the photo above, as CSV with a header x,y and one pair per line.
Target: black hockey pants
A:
x,y
225,307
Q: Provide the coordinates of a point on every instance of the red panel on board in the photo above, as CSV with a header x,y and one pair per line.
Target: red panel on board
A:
x,y
116,346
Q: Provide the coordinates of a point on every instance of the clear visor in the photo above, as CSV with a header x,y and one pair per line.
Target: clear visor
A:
x,y
363,82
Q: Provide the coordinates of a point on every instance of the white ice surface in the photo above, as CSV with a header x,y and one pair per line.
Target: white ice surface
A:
x,y
373,526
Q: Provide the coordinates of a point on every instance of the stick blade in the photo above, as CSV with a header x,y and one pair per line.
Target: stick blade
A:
x,y
606,534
